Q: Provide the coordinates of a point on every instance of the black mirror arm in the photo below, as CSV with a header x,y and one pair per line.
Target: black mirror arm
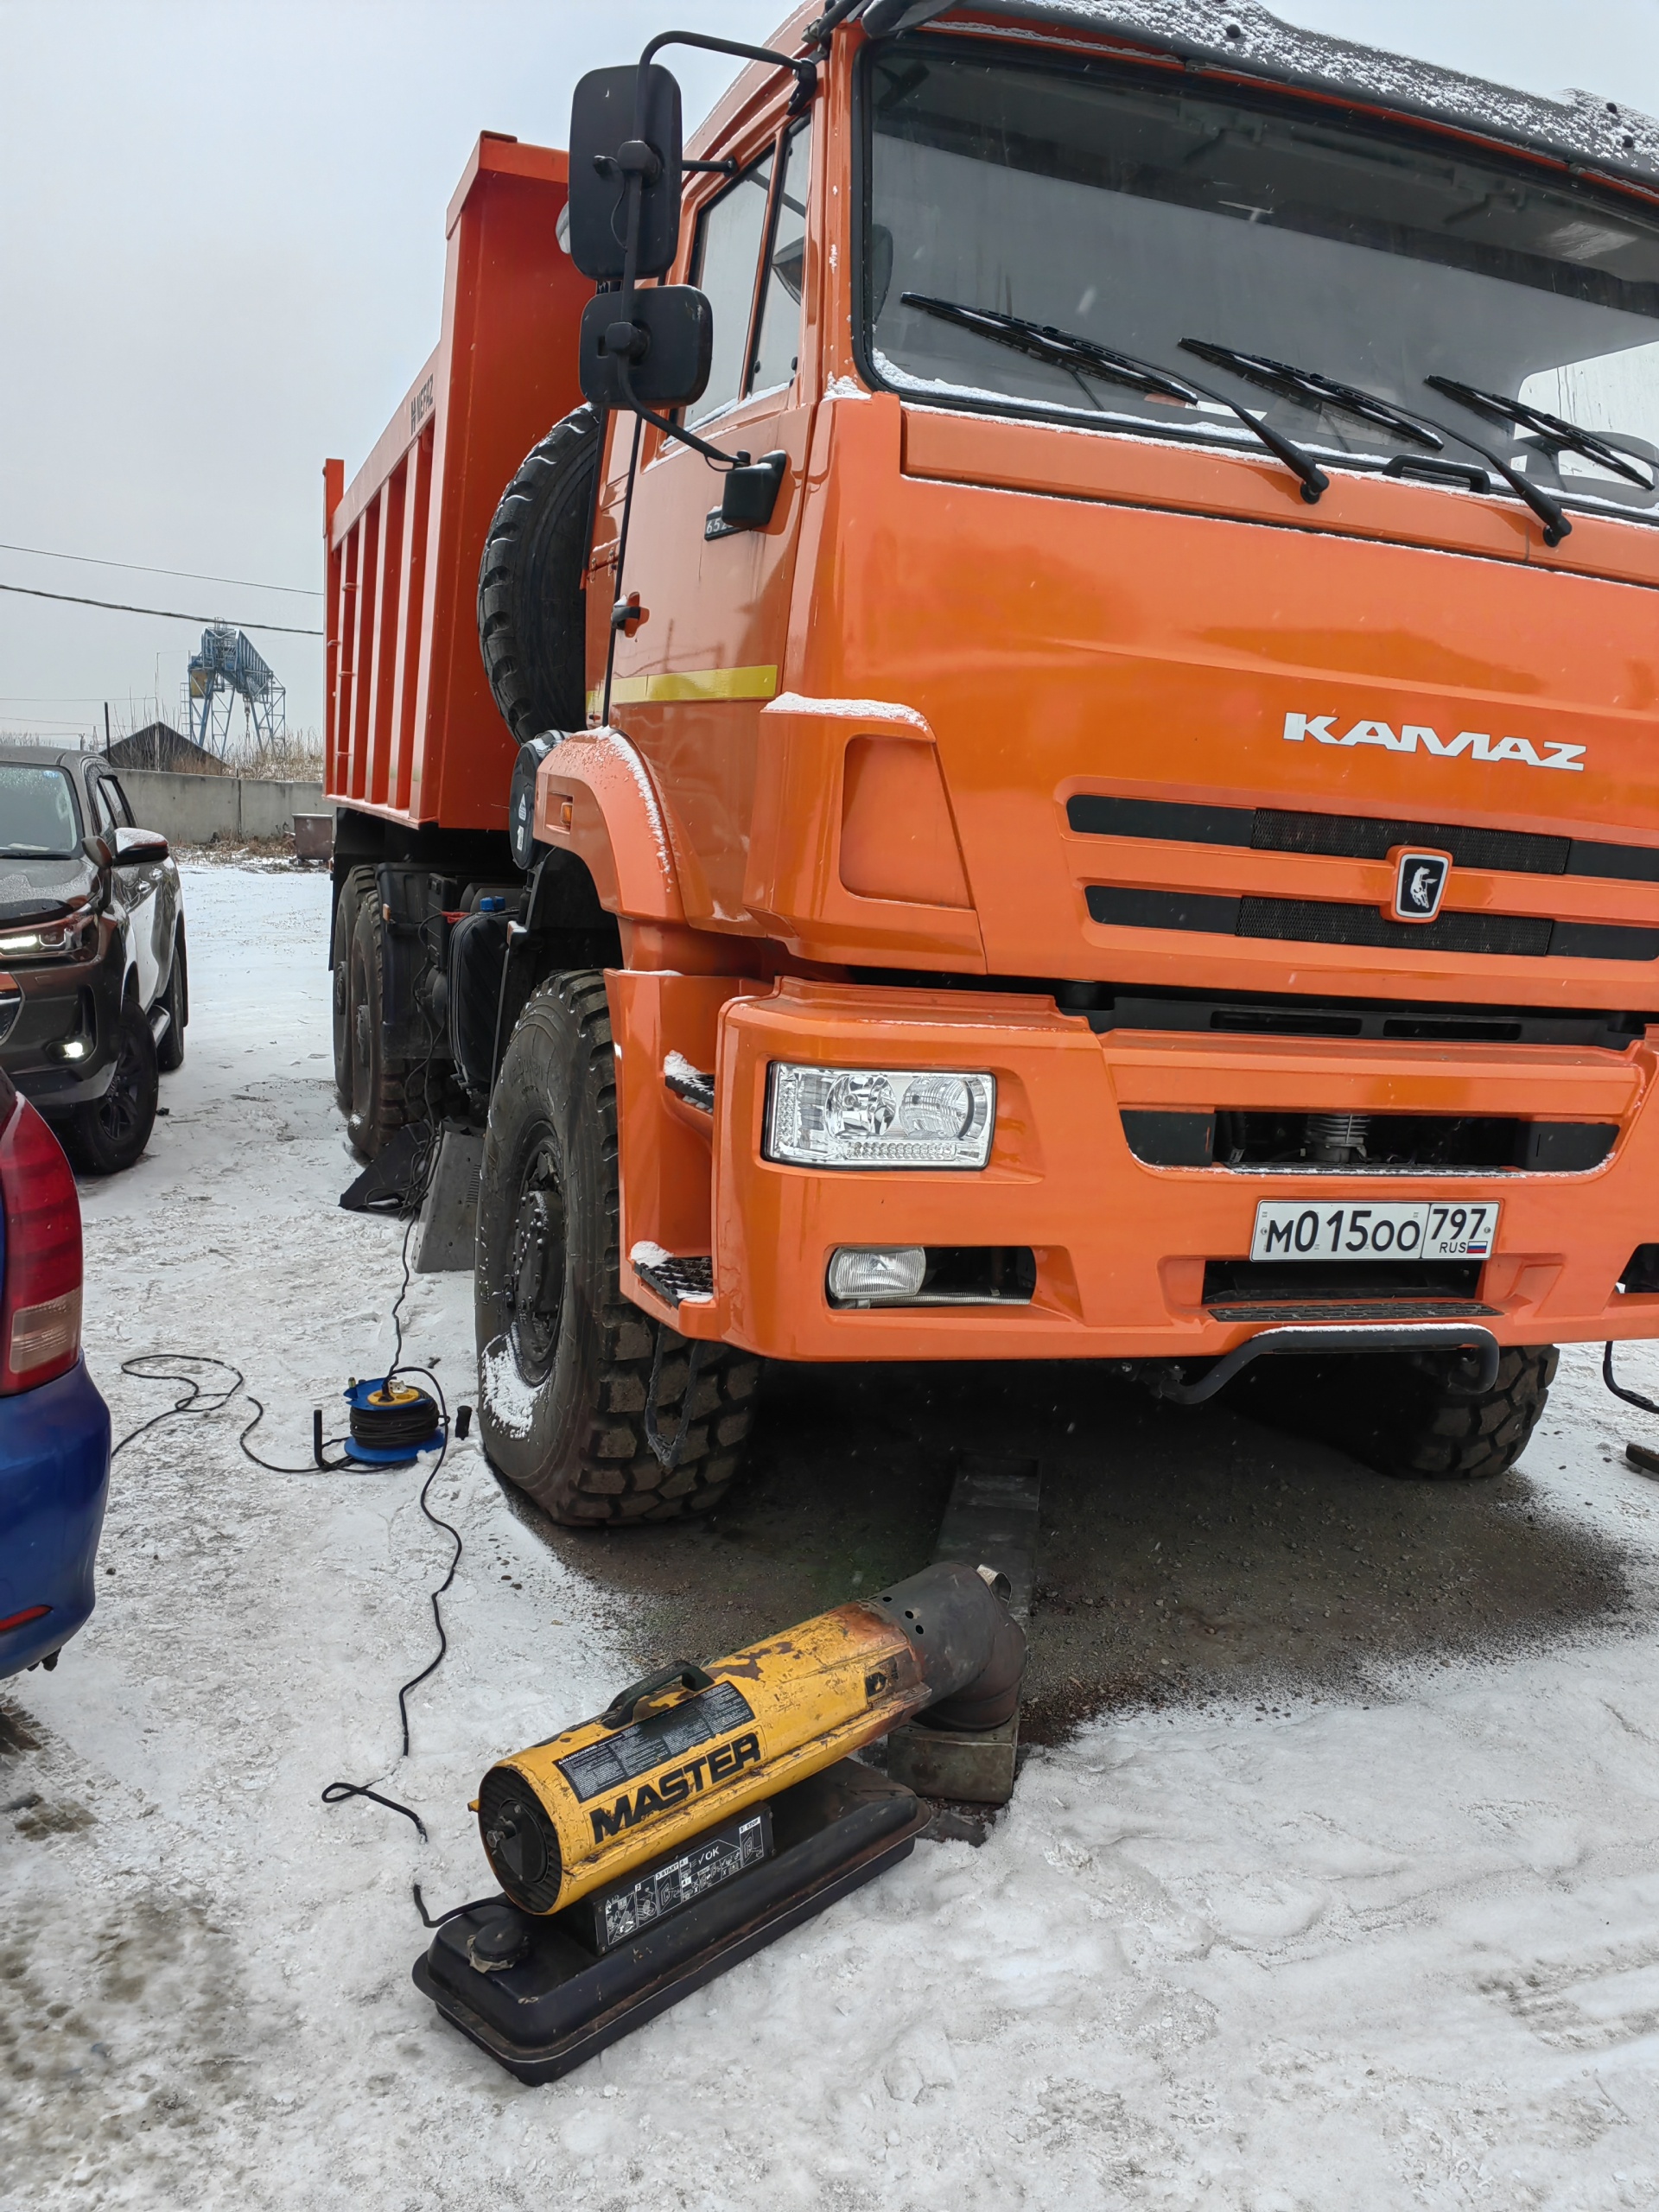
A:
x,y
673,429
806,72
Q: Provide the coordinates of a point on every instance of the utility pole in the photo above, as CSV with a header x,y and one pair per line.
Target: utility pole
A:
x,y
107,729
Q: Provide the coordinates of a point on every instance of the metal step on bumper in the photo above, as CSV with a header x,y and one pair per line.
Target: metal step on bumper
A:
x,y
1367,1337
677,1280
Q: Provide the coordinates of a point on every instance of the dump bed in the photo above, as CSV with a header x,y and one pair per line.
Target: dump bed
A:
x,y
412,732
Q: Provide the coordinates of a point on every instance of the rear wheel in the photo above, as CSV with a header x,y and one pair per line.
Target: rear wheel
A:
x,y
1412,1413
352,892
175,1000
109,1134
386,1090
565,1362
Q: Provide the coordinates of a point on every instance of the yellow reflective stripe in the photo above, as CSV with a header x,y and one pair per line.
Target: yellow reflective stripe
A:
x,y
686,684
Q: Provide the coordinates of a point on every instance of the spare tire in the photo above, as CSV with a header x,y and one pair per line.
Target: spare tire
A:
x,y
530,602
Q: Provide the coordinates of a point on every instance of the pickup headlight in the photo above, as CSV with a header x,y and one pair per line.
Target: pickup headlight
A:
x,y
879,1117
65,940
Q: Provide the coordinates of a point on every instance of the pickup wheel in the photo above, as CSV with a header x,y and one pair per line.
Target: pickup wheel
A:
x,y
109,1134
385,1092
352,892
1414,1414
530,621
564,1360
176,999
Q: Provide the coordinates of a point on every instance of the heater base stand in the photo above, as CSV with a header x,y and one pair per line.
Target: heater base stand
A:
x,y
558,2002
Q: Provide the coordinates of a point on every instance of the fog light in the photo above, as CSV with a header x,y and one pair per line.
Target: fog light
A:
x,y
888,1273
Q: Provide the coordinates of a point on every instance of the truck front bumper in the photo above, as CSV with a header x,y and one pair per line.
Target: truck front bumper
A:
x,y
1120,1248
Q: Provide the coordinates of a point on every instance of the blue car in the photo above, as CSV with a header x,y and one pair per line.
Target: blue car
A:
x,y
54,1428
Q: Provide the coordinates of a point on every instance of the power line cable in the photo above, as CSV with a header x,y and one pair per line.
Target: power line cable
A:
x,y
164,613
138,567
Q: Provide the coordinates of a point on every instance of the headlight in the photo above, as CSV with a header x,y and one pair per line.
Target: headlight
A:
x,y
50,940
879,1117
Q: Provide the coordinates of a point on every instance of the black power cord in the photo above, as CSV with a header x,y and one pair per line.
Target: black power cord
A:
x,y
202,1398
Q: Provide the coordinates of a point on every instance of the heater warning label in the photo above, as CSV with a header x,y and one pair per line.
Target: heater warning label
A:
x,y
618,1759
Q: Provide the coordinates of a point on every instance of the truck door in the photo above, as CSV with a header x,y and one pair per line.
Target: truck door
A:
x,y
706,654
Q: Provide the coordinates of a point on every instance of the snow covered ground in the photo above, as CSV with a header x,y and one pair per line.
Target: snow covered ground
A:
x,y
1395,1947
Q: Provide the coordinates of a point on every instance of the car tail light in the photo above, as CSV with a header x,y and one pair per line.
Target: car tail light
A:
x,y
40,1299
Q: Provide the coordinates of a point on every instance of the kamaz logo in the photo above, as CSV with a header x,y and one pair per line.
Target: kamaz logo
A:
x,y
676,1786
1412,735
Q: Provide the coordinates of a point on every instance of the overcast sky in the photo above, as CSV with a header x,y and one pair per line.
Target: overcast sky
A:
x,y
222,259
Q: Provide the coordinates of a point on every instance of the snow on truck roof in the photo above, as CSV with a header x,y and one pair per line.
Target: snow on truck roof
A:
x,y
1582,129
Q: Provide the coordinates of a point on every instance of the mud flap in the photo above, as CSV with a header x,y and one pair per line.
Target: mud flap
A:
x,y
447,1235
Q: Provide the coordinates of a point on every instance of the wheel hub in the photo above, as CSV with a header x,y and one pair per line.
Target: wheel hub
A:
x,y
535,1270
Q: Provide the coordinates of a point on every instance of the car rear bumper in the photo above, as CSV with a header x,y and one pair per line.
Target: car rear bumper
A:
x,y
54,1479
1119,1247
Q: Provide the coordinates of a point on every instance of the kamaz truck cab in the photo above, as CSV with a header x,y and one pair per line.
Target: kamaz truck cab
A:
x,y
1075,765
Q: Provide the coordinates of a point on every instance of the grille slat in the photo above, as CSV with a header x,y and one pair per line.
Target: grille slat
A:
x,y
1361,837
1357,837
1324,921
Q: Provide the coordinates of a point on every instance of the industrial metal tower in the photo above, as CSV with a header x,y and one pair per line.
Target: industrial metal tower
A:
x,y
228,667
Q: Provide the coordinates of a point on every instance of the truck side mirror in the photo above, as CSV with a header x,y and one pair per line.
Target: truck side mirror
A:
x,y
748,495
608,146
664,348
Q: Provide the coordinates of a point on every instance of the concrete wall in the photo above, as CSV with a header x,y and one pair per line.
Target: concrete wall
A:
x,y
191,809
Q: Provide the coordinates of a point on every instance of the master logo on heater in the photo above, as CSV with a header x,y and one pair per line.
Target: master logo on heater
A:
x,y
1419,881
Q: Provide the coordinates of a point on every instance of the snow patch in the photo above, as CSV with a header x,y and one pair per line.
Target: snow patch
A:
x,y
797,703
622,752
645,1254
846,388
510,1398
1583,125
682,1070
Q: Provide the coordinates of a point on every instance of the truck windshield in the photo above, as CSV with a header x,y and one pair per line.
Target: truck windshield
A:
x,y
37,813
1137,211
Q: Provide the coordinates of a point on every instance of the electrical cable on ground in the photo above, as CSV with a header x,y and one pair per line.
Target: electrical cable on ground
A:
x,y
202,1398
392,1423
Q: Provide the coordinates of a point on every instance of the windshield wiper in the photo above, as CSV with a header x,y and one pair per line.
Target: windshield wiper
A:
x,y
1552,429
1309,389
1081,356
1318,391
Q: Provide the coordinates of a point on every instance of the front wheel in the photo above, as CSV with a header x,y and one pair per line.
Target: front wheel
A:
x,y
1414,1414
109,1134
565,1362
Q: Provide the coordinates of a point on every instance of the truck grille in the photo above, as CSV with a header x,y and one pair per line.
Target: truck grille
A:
x,y
1323,921
1357,837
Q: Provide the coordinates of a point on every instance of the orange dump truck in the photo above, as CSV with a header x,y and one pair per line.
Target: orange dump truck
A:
x,y
1053,756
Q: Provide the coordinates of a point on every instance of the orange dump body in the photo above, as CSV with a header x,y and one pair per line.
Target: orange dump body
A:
x,y
413,733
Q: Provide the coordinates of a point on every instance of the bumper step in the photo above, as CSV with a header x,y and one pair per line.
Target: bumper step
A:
x,y
677,1280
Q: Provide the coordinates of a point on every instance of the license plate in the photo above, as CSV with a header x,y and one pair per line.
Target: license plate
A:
x,y
1437,1229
